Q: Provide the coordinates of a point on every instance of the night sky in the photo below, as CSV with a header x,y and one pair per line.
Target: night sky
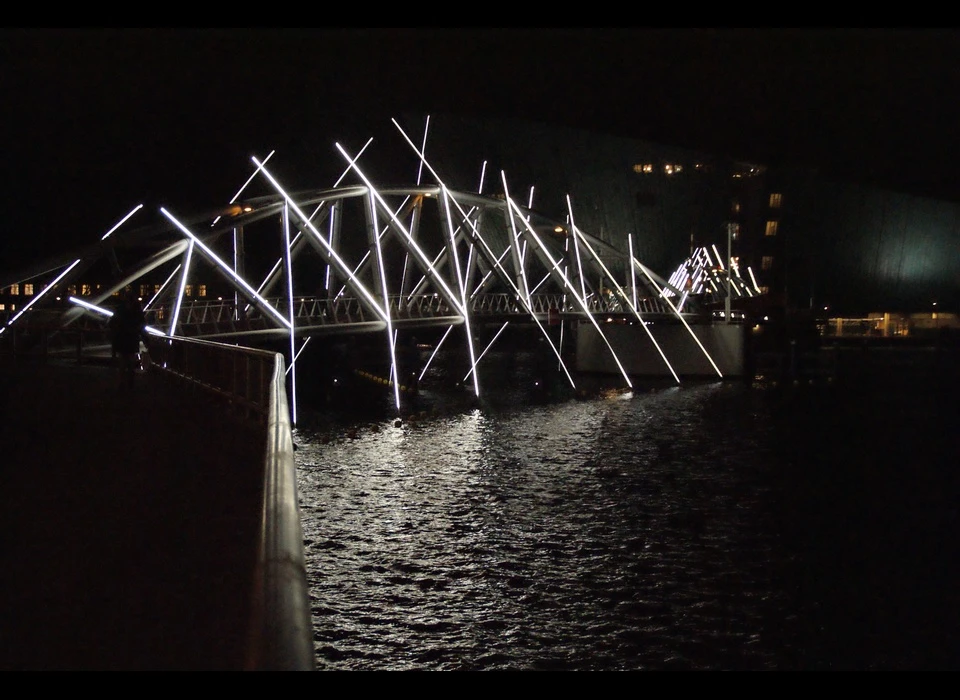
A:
x,y
96,121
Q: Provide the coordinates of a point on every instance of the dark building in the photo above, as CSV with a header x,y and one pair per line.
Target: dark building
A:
x,y
811,241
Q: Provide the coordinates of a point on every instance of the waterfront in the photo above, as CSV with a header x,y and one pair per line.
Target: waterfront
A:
x,y
719,525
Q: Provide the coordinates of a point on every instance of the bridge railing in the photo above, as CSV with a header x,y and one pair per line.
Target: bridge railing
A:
x,y
280,630
198,318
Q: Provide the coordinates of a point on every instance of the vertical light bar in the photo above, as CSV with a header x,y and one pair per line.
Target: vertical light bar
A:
x,y
576,250
489,252
483,171
326,278
339,180
236,270
623,295
361,289
386,299
293,348
556,265
455,257
183,286
437,277
679,315
514,234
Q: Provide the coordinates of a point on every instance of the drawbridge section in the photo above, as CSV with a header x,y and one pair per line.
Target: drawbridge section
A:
x,y
356,258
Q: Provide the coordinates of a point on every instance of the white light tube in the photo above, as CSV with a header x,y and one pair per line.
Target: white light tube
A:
x,y
183,284
237,278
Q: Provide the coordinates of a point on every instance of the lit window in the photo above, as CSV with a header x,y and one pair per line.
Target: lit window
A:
x,y
188,290
156,288
203,290
736,207
764,289
143,290
3,307
638,168
85,290
766,262
72,289
735,231
771,228
15,289
28,290
775,200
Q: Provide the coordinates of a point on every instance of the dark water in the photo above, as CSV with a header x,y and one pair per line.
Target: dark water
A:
x,y
720,525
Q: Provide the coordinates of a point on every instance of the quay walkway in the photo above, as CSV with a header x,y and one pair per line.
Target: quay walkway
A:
x,y
132,527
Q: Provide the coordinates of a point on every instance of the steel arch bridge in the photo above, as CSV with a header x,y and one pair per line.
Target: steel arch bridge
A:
x,y
359,258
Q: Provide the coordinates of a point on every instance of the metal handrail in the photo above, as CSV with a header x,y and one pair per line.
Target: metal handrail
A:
x,y
280,628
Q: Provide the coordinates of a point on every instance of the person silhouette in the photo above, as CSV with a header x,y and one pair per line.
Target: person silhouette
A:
x,y
127,327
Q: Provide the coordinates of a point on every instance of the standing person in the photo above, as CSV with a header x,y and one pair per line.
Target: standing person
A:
x,y
127,327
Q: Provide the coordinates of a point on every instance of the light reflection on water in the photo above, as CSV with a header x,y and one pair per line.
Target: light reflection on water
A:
x,y
627,531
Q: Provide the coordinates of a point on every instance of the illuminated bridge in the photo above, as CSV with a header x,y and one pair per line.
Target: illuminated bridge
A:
x,y
176,544
360,258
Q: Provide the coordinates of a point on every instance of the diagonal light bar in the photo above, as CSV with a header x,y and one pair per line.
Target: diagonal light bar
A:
x,y
643,269
491,257
106,312
380,236
556,265
299,352
489,345
517,255
71,266
754,280
623,295
44,291
360,288
162,287
488,251
719,259
463,288
633,275
183,284
433,354
295,238
424,260
264,305
120,223
242,188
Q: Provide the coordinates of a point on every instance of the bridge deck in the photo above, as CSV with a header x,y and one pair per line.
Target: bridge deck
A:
x,y
129,523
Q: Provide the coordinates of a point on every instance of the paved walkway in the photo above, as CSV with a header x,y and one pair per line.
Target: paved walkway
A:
x,y
128,523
